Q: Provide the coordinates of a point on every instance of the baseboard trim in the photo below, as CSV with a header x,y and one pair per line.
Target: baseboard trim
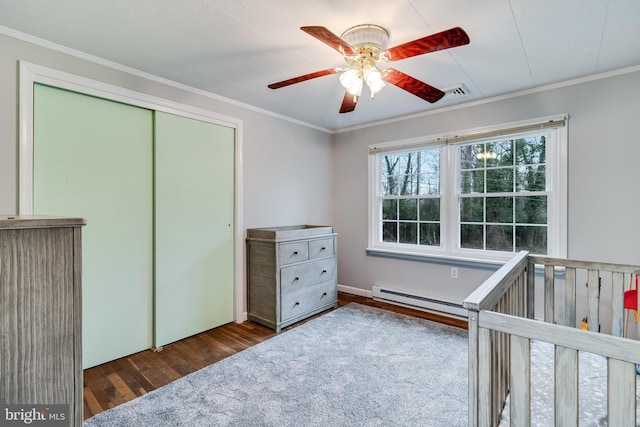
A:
x,y
355,291
244,316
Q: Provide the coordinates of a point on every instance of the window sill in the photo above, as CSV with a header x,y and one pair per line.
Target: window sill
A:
x,y
448,259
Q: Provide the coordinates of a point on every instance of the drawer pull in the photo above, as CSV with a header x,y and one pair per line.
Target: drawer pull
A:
x,y
322,249
295,253
296,304
323,295
324,271
296,279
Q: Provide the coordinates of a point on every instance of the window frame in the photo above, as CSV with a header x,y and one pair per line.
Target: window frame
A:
x,y
556,189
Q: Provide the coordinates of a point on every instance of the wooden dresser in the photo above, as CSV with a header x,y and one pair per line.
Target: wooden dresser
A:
x,y
40,312
291,273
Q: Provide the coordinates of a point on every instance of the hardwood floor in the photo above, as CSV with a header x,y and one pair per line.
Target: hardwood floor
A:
x,y
122,380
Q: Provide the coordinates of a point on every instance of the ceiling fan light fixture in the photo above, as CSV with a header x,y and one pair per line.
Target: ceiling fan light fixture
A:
x,y
374,80
351,80
368,35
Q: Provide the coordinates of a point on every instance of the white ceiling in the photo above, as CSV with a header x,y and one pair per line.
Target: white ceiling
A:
x,y
234,48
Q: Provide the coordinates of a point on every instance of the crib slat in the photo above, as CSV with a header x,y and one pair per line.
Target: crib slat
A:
x,y
473,367
531,286
617,304
566,387
593,304
498,363
621,399
520,381
570,297
484,379
549,294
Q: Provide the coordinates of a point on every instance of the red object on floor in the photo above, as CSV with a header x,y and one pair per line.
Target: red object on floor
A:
x,y
631,299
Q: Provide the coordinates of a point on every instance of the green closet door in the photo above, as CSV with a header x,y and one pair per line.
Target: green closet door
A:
x,y
194,206
92,158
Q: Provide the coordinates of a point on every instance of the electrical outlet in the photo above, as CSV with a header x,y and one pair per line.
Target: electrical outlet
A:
x,y
454,272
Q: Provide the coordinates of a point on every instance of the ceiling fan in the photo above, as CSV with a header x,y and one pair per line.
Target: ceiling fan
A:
x,y
363,47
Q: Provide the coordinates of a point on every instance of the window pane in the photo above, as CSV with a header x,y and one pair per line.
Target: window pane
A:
x,y
532,239
389,168
499,154
389,185
390,164
407,163
500,180
472,182
390,232
408,209
472,209
531,178
470,157
500,209
429,209
428,183
429,161
389,209
409,232
430,234
531,150
471,236
531,210
500,238
408,184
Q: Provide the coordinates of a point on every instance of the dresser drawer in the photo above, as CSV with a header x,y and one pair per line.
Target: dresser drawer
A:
x,y
289,253
307,299
307,274
321,248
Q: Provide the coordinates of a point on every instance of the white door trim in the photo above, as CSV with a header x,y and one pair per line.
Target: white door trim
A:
x,y
32,73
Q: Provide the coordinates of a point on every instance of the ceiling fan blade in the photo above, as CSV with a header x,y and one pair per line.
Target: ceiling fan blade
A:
x,y
412,85
333,41
442,40
348,103
302,78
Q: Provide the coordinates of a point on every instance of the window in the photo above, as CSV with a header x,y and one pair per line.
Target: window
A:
x,y
410,197
478,195
502,195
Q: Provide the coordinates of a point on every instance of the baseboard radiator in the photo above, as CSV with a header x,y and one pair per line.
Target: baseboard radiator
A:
x,y
403,298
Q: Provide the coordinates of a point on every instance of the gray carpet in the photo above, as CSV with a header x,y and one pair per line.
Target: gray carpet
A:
x,y
354,366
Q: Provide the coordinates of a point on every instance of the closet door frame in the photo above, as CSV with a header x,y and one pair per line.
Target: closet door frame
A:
x,y
30,74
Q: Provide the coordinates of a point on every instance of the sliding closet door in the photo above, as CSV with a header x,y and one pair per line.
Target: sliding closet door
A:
x,y
92,158
194,205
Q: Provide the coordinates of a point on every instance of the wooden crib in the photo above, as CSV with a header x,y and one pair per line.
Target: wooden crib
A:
x,y
503,325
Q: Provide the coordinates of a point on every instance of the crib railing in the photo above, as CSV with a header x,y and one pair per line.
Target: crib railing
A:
x,y
502,326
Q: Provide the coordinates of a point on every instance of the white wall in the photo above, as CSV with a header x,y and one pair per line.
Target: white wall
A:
x,y
603,194
287,167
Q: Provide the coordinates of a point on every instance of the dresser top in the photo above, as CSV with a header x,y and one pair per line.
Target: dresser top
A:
x,y
289,232
8,222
